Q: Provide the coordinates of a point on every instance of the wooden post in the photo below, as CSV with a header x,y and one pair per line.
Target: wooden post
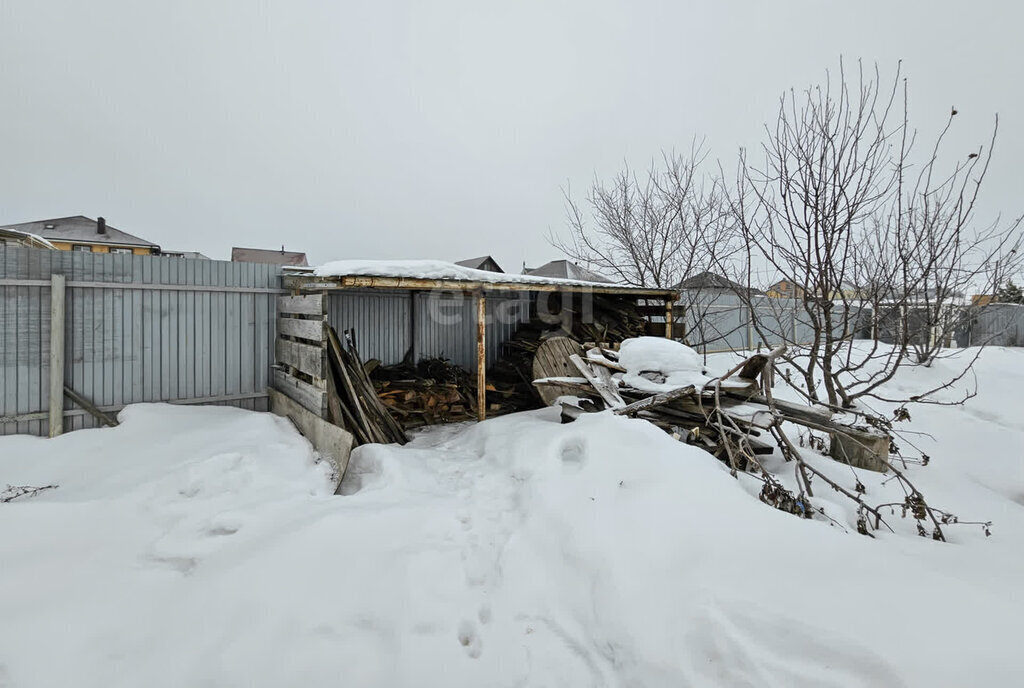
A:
x,y
56,355
481,356
750,328
668,318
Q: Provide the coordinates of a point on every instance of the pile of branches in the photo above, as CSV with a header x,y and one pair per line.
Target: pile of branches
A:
x,y
12,492
736,418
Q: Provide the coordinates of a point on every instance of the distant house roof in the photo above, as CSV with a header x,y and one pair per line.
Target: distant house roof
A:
x,y
80,229
14,236
194,255
263,255
566,269
482,263
709,280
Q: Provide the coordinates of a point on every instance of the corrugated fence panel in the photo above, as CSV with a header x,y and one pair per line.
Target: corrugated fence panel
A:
x,y
504,316
445,323
723,322
381,320
446,328
131,344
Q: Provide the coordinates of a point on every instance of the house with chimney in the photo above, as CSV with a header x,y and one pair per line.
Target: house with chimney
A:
x,y
80,233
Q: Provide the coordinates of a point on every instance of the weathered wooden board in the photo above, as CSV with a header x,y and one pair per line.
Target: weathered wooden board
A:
x,y
333,443
311,304
306,357
553,360
304,329
601,380
310,397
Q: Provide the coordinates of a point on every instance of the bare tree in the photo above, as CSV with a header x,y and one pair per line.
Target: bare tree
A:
x,y
654,230
834,211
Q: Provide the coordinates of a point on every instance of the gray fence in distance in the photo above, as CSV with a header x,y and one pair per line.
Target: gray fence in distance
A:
x,y
716,321
136,329
997,324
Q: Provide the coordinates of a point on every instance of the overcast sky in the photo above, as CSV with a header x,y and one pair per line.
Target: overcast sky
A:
x,y
438,129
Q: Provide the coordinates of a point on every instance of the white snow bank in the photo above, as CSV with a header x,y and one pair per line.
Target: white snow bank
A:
x,y
518,551
434,269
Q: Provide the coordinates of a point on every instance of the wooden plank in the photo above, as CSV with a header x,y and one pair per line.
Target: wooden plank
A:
x,y
307,395
56,355
481,357
371,431
669,320
90,407
305,329
306,282
552,360
603,386
306,357
656,400
310,304
334,444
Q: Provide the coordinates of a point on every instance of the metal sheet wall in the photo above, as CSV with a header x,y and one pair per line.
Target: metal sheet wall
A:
x,y
133,344
380,319
504,316
719,321
445,323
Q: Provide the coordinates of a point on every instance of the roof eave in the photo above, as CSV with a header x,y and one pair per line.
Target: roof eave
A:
x,y
314,283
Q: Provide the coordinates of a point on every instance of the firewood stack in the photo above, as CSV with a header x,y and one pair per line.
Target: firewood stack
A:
x,y
432,391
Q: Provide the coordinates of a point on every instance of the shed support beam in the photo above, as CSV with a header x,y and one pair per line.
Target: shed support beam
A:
x,y
56,355
668,318
481,356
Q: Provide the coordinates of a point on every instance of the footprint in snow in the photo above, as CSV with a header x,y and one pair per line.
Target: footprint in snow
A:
x,y
573,453
469,638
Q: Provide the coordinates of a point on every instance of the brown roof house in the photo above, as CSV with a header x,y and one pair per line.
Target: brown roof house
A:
x,y
263,255
711,282
80,233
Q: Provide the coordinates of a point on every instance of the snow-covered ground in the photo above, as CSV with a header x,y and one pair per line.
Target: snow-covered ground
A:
x,y
203,547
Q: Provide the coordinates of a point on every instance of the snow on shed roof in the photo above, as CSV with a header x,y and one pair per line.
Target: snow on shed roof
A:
x,y
444,271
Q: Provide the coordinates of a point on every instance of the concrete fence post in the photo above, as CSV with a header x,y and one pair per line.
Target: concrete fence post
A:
x,y
56,355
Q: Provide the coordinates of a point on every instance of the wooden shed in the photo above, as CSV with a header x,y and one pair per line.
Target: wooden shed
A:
x,y
420,309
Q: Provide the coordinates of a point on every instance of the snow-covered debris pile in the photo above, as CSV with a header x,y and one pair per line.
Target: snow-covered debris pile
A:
x,y
735,416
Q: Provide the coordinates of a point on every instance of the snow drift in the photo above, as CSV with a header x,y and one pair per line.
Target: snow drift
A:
x,y
202,547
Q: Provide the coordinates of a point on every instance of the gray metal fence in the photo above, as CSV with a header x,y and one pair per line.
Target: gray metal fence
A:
x,y
137,329
998,324
721,321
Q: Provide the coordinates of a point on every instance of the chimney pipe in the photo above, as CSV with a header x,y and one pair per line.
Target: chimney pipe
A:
x,y
101,225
